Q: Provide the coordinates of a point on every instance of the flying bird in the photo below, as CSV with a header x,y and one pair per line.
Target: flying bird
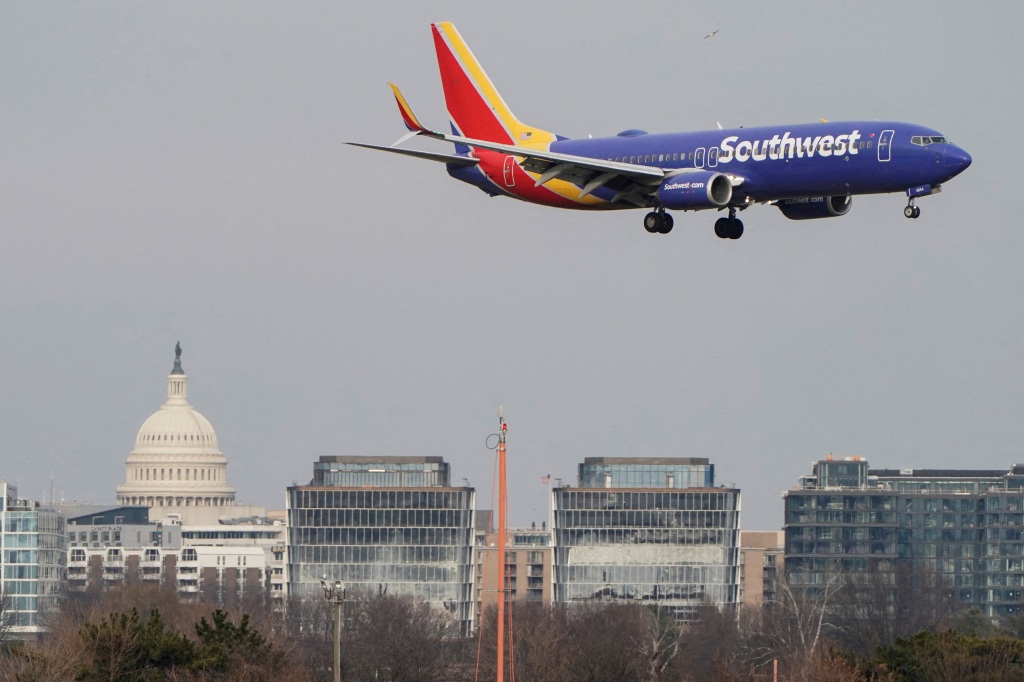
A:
x,y
712,34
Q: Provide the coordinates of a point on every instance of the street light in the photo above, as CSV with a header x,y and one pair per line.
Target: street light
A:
x,y
336,595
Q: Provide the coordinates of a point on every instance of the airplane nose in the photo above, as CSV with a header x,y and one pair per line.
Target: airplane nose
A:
x,y
956,160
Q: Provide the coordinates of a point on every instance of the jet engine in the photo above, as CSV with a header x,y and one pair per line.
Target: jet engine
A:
x,y
691,191
815,207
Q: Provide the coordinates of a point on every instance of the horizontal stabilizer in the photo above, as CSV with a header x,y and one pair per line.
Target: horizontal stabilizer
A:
x,y
430,156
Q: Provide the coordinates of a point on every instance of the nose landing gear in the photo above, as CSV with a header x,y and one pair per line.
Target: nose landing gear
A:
x,y
912,211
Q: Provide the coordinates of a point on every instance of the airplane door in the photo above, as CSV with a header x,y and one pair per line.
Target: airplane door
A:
x,y
884,143
698,158
510,177
712,157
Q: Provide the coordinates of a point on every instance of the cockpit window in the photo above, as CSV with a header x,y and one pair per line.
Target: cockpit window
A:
x,y
924,140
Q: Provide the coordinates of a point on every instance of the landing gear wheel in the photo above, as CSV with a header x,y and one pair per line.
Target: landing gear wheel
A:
x,y
729,228
917,212
909,211
667,223
653,222
722,228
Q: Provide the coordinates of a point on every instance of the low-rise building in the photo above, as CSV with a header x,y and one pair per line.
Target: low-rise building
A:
x,y
220,564
528,567
760,560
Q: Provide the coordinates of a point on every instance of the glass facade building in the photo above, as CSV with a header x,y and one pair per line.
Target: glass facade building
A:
x,y
966,527
648,472
34,560
355,524
647,529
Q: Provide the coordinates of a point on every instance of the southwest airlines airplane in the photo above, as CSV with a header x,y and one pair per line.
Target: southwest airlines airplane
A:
x,y
807,170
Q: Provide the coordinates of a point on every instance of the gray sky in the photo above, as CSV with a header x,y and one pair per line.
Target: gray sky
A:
x,y
175,171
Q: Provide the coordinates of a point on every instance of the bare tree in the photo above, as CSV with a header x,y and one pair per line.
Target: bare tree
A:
x,y
875,607
309,626
608,640
7,617
708,646
792,627
398,639
542,642
661,640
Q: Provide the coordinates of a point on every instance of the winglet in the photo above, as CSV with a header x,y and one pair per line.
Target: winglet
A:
x,y
411,122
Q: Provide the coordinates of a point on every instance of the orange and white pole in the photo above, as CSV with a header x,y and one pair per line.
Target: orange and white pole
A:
x,y
501,543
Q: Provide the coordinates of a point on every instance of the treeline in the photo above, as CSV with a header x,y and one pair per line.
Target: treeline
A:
x,y
837,633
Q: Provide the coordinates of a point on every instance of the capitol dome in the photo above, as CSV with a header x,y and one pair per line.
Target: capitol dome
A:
x,y
176,461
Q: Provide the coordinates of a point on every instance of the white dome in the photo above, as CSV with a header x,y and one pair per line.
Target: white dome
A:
x,y
176,461
179,428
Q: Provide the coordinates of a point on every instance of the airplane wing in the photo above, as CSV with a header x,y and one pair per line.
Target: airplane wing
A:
x,y
633,183
430,156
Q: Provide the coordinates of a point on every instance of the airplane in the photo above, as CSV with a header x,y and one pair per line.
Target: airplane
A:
x,y
808,170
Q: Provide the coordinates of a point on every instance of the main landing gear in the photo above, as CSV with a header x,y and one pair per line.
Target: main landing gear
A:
x,y
729,228
658,222
912,211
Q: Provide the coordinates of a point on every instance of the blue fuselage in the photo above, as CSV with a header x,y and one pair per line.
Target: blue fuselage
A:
x,y
778,162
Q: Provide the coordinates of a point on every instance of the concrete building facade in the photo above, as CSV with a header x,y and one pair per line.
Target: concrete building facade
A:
x,y
218,564
528,568
761,556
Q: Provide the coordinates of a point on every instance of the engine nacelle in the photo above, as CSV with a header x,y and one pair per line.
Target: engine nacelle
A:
x,y
816,207
691,191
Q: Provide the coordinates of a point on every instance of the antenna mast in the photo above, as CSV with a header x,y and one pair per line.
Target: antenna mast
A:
x,y
503,427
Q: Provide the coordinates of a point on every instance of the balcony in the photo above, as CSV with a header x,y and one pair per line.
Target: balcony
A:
x,y
149,574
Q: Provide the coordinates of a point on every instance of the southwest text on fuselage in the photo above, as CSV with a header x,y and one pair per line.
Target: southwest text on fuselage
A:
x,y
786,147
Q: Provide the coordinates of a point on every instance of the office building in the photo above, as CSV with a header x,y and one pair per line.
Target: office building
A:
x,y
32,562
650,530
378,524
965,527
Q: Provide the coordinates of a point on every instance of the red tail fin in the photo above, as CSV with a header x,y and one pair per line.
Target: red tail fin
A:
x,y
474,105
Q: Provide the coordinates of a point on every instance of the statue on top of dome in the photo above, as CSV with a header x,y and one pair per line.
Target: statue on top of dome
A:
x,y
177,359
